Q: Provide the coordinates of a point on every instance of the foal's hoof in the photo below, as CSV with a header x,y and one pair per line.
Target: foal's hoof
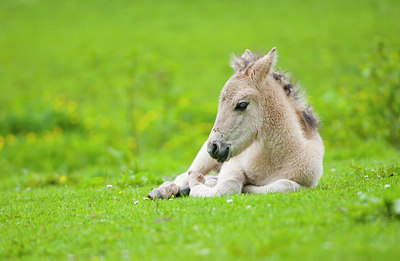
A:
x,y
155,194
165,191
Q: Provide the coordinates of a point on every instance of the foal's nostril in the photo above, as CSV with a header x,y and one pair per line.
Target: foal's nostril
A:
x,y
219,150
215,148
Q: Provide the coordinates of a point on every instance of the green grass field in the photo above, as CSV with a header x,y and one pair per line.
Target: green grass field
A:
x,y
100,101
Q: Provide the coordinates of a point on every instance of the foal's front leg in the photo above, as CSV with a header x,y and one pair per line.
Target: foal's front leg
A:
x,y
202,165
230,181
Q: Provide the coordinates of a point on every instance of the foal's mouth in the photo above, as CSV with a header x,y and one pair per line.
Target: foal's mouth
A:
x,y
225,156
220,151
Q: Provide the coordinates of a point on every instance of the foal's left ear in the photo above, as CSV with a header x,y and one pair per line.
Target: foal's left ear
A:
x,y
263,66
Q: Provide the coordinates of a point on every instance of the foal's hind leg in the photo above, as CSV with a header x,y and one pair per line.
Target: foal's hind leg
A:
x,y
279,186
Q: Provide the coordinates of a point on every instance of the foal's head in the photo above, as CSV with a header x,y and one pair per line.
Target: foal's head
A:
x,y
240,112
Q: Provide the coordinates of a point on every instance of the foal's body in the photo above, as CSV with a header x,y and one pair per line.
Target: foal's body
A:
x,y
264,139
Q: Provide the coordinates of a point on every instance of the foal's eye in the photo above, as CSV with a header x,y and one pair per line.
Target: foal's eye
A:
x,y
241,106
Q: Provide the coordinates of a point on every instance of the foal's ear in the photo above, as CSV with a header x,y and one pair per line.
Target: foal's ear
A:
x,y
248,55
262,67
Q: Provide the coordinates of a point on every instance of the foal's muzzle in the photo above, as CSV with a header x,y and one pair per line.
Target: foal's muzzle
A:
x,y
218,150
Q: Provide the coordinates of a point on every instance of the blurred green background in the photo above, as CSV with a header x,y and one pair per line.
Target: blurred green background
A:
x,y
92,90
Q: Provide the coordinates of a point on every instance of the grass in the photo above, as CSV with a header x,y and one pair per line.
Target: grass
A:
x,y
123,93
345,217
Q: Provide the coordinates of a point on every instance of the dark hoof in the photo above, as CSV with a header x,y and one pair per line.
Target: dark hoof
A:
x,y
183,191
155,194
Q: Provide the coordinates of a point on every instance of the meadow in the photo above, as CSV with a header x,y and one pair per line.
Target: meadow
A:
x,y
100,101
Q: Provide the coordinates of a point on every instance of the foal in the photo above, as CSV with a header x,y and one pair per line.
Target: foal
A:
x,y
265,138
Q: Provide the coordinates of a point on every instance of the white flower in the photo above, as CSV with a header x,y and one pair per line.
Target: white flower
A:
x,y
229,201
204,251
109,186
137,201
248,207
396,206
387,186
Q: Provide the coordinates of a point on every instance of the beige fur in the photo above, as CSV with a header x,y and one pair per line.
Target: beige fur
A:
x,y
273,144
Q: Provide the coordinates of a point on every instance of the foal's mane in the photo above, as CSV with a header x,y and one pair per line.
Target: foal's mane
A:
x,y
242,63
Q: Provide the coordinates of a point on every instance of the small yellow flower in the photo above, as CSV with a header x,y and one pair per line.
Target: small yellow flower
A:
x,y
63,179
57,130
1,142
31,137
147,119
132,143
75,119
58,104
183,102
71,106
10,139
172,196
48,136
105,123
120,192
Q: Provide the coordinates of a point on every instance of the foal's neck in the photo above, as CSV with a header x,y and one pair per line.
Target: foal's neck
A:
x,y
281,127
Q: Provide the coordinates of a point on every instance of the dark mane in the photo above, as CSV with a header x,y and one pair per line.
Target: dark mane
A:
x,y
242,63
